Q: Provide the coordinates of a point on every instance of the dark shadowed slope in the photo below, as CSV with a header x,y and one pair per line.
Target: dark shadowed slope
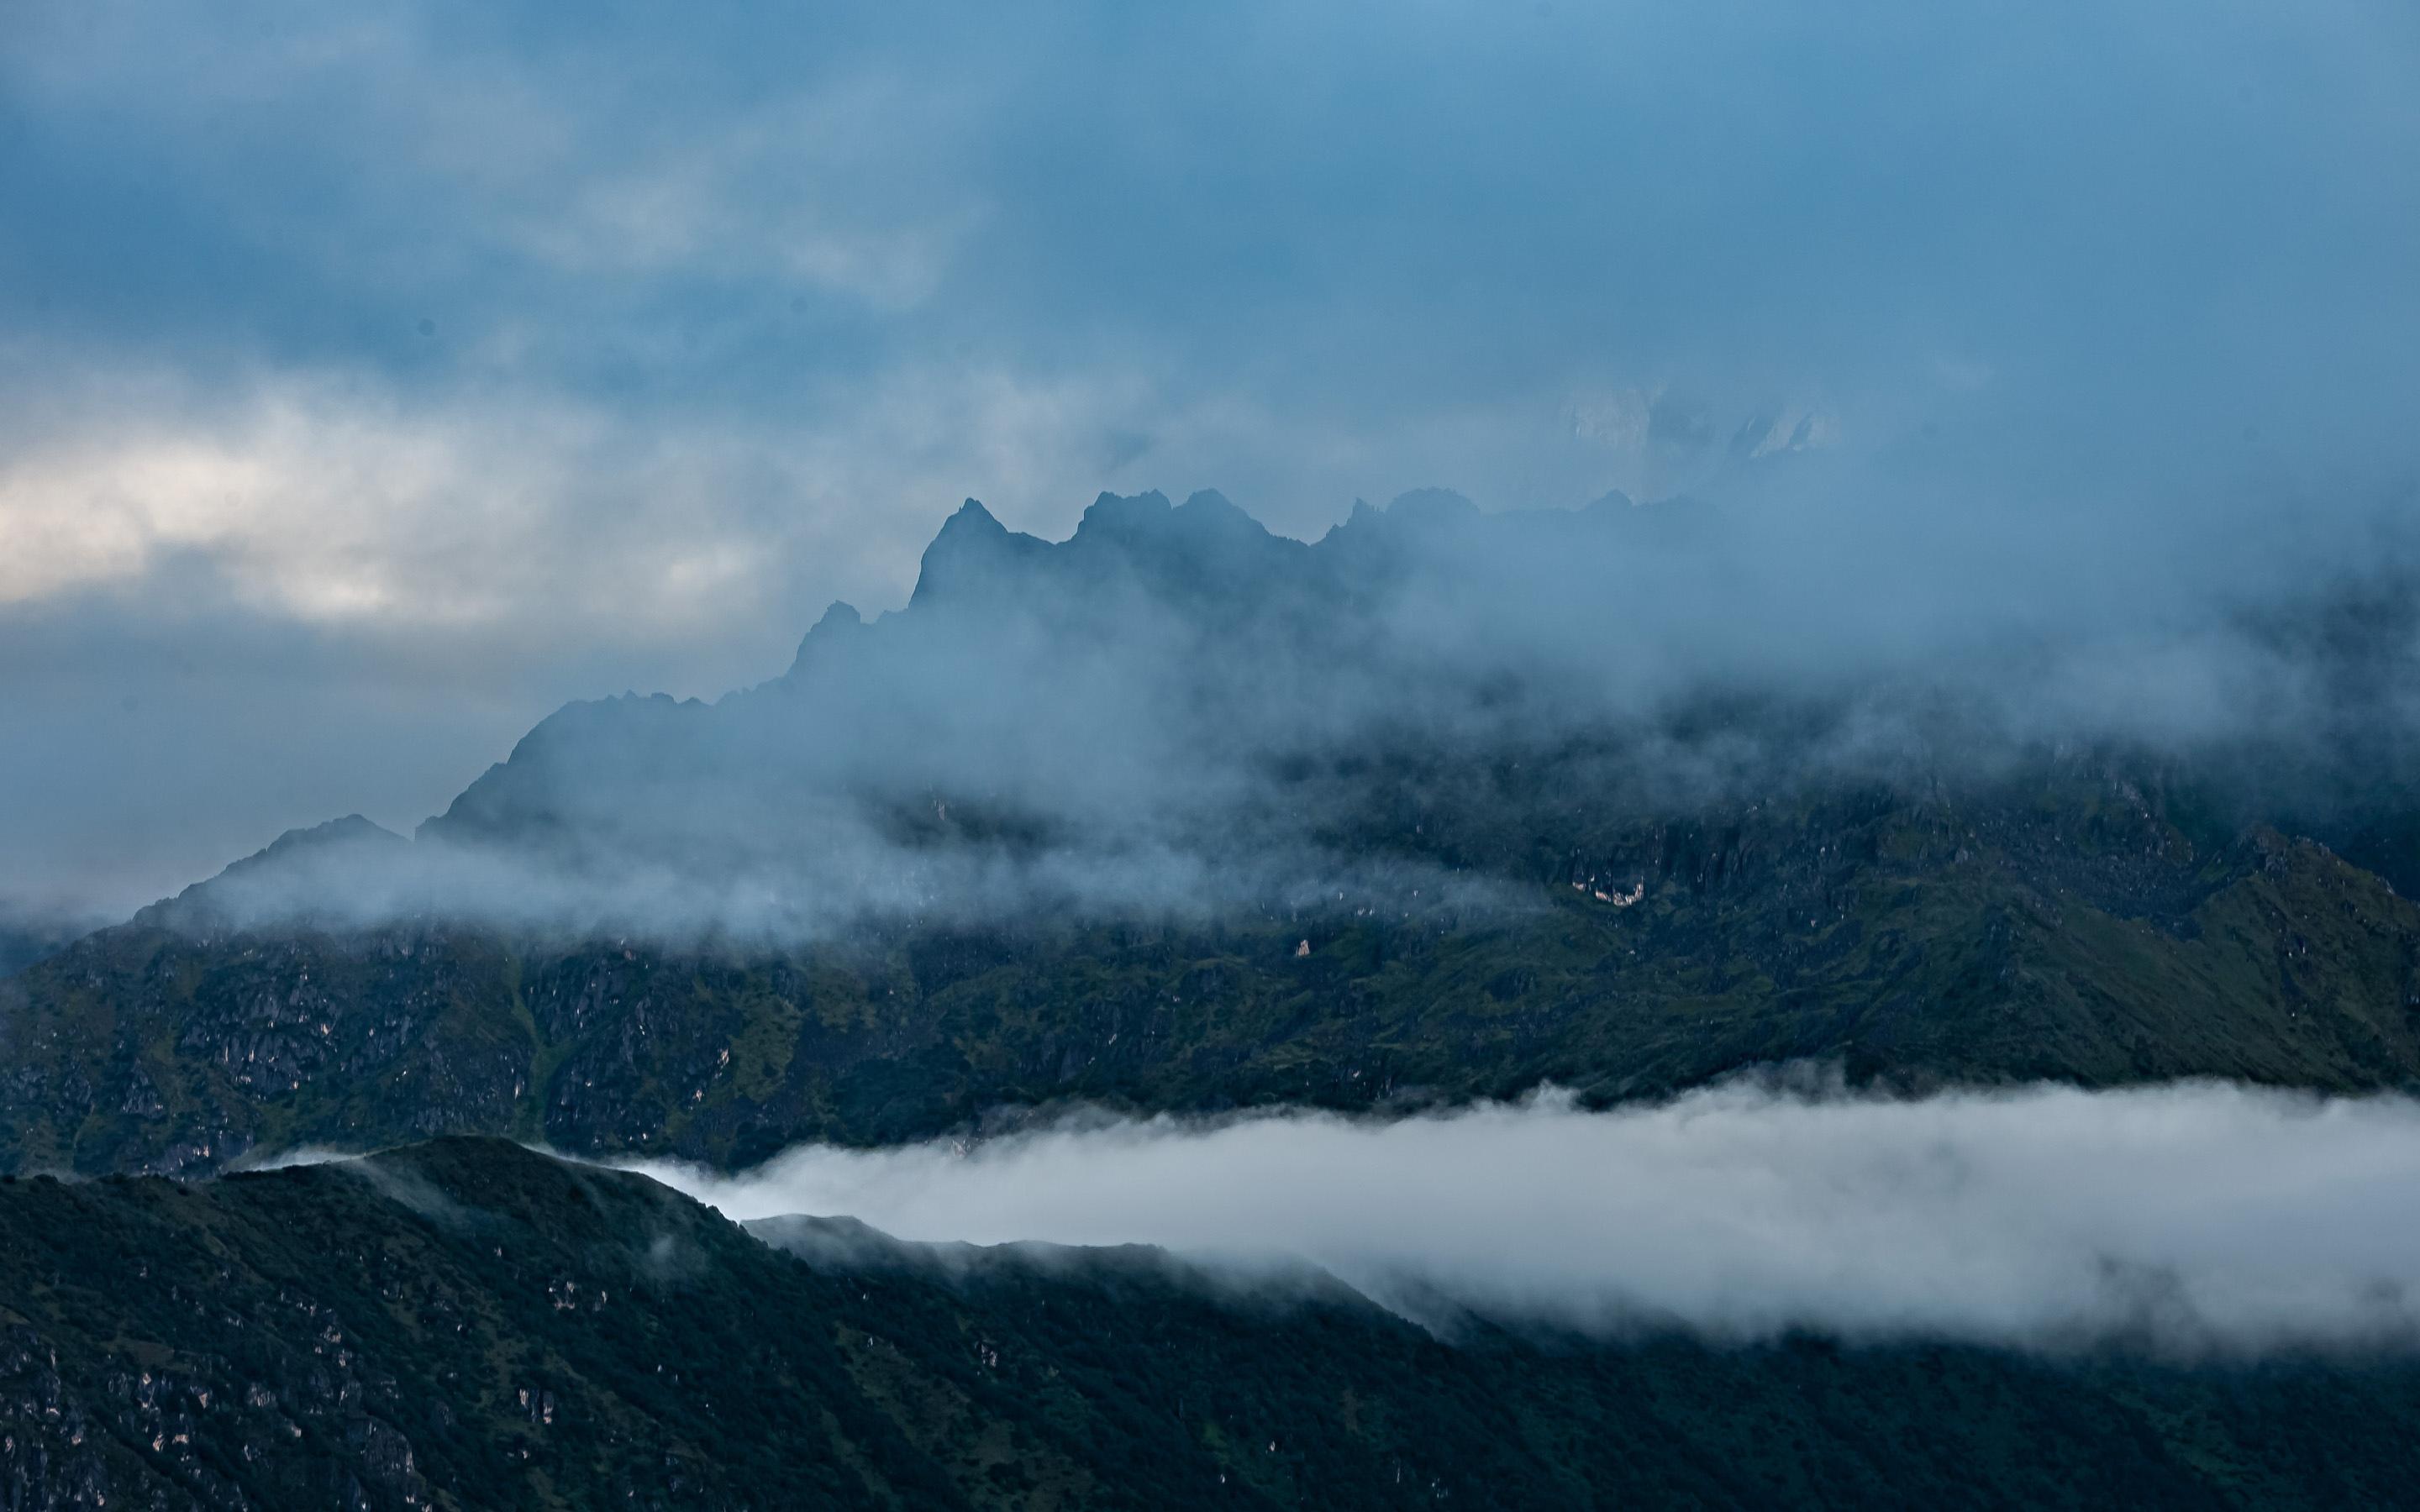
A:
x,y
1912,944
465,1323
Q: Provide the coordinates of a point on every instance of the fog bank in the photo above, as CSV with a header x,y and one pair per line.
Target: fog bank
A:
x,y
2196,1217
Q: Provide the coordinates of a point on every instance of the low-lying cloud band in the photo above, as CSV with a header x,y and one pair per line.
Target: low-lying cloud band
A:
x,y
2198,1216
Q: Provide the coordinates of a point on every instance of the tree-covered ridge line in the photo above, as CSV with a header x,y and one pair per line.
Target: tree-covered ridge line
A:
x,y
2071,930
466,1323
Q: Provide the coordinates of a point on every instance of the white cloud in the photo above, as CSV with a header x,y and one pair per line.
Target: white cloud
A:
x,y
2197,1215
319,501
329,500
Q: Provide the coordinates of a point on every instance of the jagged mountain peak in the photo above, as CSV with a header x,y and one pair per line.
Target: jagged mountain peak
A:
x,y
837,618
972,556
971,517
1206,540
840,624
1206,521
1123,514
1203,574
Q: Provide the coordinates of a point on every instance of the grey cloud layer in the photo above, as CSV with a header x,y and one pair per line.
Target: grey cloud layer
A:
x,y
2194,1216
721,308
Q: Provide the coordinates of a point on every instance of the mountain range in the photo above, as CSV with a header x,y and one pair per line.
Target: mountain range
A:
x,y
1179,816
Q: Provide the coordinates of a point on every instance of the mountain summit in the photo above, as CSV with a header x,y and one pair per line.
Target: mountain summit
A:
x,y
1179,814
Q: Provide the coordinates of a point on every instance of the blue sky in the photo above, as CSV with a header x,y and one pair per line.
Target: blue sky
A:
x,y
374,378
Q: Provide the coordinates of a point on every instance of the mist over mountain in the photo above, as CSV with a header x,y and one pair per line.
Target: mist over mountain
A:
x,y
473,1323
1770,856
1176,712
28,937
1178,815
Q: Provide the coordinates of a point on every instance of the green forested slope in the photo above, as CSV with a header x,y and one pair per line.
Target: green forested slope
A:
x,y
465,1323
2069,930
